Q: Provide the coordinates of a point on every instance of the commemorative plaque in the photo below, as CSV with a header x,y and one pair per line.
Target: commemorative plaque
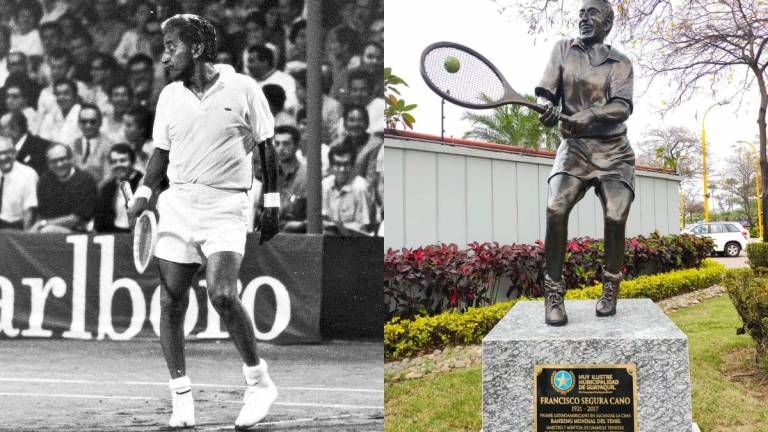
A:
x,y
585,398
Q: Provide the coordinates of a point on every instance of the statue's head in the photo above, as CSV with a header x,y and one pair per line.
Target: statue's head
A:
x,y
595,20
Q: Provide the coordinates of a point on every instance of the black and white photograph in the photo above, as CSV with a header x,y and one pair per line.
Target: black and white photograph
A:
x,y
191,215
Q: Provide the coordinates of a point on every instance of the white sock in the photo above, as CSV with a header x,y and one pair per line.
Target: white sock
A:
x,y
180,385
253,374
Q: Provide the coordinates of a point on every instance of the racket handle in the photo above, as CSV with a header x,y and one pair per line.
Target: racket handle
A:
x,y
541,108
125,188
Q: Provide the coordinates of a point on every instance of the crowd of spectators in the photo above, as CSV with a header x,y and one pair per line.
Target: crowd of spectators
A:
x,y
79,81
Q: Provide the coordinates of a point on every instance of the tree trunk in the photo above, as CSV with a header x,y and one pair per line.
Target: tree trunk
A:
x,y
763,159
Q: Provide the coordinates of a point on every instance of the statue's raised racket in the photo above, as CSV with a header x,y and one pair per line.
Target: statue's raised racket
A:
x,y
466,78
144,233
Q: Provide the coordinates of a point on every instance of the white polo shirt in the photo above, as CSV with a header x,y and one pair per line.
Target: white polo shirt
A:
x,y
19,192
210,139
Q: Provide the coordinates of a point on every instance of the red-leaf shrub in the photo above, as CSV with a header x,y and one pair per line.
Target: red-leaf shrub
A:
x,y
428,280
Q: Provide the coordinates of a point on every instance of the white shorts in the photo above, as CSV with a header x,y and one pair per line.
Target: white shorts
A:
x,y
196,219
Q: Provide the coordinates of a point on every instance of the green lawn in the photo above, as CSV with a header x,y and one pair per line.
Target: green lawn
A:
x,y
452,401
719,403
444,402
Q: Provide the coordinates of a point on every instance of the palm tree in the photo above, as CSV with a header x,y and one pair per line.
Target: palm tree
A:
x,y
514,125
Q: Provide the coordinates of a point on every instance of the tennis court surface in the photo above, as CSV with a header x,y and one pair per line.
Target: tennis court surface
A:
x,y
65,385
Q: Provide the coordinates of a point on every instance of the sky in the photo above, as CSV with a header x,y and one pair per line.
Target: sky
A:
x,y
411,25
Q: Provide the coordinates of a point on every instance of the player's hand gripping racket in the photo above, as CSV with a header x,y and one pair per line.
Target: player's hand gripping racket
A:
x,y
144,233
463,76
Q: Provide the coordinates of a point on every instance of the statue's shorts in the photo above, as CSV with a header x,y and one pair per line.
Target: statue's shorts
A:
x,y
594,160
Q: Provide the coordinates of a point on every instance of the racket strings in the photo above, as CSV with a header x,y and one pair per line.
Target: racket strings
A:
x,y
474,79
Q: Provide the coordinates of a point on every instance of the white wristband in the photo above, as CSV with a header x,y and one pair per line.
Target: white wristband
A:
x,y
272,199
142,192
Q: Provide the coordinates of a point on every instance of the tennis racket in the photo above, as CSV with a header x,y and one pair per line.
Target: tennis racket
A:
x,y
476,84
144,233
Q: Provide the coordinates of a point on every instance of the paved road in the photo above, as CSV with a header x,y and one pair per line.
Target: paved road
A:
x,y
64,385
735,262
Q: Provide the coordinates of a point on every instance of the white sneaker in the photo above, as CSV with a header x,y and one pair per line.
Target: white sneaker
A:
x,y
183,404
259,396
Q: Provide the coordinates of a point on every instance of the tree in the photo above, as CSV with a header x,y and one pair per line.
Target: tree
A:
x,y
675,148
396,111
693,208
739,178
689,43
514,125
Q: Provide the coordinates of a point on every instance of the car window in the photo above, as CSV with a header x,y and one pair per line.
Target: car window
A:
x,y
731,228
701,229
716,229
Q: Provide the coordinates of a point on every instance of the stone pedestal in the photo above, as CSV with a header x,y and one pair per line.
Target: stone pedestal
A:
x,y
640,334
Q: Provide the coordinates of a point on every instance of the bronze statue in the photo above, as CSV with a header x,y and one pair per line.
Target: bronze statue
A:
x,y
592,83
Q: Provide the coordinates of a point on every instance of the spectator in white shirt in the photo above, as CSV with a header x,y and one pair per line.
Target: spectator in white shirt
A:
x,y
18,189
60,125
60,64
360,92
120,101
346,205
261,67
26,38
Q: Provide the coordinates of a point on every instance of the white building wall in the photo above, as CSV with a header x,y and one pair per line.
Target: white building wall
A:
x,y
436,192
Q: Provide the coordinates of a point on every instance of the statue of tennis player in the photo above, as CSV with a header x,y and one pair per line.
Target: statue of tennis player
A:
x,y
592,83
209,120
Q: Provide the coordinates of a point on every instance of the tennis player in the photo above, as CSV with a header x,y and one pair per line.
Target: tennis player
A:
x,y
208,122
592,82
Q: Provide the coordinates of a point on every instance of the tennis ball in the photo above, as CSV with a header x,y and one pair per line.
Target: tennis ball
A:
x,y
452,64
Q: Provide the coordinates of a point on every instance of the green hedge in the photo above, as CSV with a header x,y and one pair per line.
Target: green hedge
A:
x,y
660,286
407,338
758,255
749,293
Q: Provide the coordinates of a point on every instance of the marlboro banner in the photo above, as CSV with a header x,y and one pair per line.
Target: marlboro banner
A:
x,y
85,287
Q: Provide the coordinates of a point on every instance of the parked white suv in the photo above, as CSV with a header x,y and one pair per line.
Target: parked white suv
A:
x,y
729,237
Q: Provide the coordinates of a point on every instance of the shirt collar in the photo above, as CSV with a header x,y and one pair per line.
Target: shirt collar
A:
x,y
604,52
346,188
226,73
